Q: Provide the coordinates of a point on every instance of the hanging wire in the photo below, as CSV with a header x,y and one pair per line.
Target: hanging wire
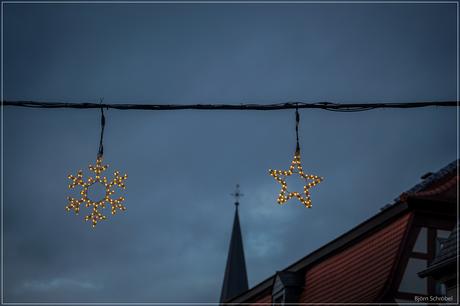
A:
x,y
297,120
101,144
329,106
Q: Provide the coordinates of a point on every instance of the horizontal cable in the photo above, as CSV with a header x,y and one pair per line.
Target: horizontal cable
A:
x,y
340,107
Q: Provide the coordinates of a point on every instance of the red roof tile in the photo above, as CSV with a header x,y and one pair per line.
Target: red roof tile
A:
x,y
359,273
446,189
445,180
267,299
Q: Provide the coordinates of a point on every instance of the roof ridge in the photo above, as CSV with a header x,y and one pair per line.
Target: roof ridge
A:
x,y
433,178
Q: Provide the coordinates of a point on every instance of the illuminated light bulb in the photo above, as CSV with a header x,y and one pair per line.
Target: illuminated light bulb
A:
x,y
96,215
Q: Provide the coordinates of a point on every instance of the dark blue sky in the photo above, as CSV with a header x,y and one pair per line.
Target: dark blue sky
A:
x,y
171,243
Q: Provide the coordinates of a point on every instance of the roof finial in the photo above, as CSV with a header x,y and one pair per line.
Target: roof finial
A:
x,y
237,194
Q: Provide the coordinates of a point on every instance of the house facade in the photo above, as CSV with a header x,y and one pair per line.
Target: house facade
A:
x,y
379,260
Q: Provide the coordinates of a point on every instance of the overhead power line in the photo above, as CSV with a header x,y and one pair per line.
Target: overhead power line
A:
x,y
330,106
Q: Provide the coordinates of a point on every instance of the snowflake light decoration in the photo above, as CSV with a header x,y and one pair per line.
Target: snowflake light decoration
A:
x,y
284,195
96,216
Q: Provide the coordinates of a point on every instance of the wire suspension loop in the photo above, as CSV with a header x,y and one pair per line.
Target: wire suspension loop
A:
x,y
101,144
297,120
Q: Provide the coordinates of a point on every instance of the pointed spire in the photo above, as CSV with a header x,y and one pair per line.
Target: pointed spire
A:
x,y
235,278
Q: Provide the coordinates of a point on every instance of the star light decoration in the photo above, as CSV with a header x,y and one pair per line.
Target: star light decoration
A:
x,y
284,194
96,216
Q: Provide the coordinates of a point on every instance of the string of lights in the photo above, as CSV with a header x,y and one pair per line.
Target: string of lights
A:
x,y
329,106
96,215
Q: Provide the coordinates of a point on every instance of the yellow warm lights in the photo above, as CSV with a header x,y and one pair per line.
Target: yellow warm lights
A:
x,y
96,215
284,194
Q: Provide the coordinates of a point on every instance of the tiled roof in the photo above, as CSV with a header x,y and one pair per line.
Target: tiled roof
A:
x,y
359,273
266,299
435,183
446,186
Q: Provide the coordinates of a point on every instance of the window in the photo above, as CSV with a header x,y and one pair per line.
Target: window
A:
x,y
440,289
411,282
439,244
421,242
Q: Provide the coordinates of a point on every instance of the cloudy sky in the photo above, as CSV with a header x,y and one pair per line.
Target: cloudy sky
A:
x,y
171,243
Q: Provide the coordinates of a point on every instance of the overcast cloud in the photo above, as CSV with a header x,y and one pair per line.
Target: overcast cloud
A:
x,y
171,243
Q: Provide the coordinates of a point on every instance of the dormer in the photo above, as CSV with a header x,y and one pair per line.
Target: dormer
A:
x,y
287,287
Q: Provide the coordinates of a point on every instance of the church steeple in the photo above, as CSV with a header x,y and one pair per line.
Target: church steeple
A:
x,y
235,278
